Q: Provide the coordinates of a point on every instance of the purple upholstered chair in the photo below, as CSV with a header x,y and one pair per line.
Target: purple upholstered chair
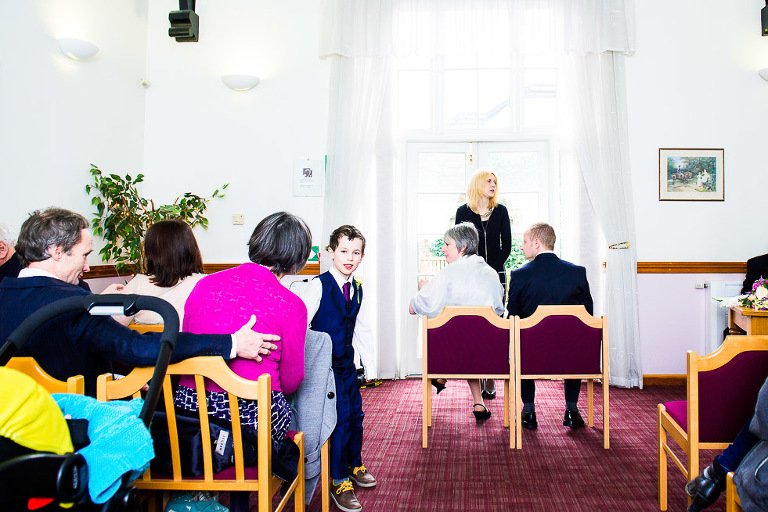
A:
x,y
468,343
562,342
721,395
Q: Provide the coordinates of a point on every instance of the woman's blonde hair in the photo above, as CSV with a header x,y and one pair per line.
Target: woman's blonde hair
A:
x,y
476,188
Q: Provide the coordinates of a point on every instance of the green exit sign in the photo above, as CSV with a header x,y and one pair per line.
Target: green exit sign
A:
x,y
314,254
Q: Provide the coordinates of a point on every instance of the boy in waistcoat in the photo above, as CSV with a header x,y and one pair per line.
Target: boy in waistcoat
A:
x,y
333,301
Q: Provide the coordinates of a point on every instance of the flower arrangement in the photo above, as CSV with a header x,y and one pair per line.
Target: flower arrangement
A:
x,y
758,297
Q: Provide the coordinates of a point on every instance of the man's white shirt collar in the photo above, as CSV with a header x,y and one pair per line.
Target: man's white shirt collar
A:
x,y
36,272
340,278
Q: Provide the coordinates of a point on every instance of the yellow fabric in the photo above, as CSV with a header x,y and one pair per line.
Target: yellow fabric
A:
x,y
29,416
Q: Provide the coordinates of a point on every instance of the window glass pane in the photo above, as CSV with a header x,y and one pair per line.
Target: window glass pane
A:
x,y
517,171
539,112
436,212
494,99
415,100
460,99
524,210
441,172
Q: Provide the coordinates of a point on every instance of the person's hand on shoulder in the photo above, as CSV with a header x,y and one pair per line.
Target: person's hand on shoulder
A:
x,y
253,345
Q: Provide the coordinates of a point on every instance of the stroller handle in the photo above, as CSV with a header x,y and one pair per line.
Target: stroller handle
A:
x,y
107,305
97,305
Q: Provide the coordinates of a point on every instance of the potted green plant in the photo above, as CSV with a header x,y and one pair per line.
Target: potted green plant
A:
x,y
122,215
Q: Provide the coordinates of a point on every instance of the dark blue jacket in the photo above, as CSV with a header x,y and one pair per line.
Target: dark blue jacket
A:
x,y
547,280
81,344
337,318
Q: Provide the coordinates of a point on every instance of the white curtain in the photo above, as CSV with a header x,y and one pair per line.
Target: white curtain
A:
x,y
364,37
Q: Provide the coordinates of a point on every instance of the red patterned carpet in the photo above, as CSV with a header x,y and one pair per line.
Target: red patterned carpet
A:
x,y
471,468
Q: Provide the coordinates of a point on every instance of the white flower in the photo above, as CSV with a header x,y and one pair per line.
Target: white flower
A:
x,y
761,292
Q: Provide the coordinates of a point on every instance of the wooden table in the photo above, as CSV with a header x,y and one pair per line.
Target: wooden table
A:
x,y
751,321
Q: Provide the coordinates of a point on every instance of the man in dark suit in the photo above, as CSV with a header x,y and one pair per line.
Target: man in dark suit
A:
x,y
547,280
53,246
757,267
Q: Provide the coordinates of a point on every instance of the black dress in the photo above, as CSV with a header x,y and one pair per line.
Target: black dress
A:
x,y
495,235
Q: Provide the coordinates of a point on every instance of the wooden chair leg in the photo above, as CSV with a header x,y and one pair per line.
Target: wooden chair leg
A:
x,y
606,416
425,406
662,463
518,416
298,496
591,403
506,404
325,476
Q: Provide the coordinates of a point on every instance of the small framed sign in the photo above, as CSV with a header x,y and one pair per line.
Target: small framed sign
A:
x,y
691,174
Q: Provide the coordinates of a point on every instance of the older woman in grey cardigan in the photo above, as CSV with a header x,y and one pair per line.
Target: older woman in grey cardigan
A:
x,y
467,281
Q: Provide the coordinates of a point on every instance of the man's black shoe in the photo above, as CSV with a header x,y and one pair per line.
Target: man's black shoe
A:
x,y
706,488
529,420
488,395
573,419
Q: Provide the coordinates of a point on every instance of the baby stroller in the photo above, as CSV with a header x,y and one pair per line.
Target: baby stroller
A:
x,y
64,478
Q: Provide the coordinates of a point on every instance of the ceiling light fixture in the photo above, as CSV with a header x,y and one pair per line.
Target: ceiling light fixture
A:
x,y
240,82
77,49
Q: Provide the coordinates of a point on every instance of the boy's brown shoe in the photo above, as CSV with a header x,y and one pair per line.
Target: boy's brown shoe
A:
x,y
362,477
343,496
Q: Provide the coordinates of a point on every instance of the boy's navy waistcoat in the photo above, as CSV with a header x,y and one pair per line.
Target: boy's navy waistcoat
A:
x,y
337,317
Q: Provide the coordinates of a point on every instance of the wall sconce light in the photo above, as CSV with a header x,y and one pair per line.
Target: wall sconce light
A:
x,y
763,74
77,49
240,82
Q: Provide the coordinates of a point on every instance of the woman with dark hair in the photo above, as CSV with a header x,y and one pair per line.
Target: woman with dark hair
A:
x,y
279,245
174,266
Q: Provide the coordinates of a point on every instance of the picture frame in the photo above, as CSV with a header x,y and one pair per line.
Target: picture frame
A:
x,y
691,174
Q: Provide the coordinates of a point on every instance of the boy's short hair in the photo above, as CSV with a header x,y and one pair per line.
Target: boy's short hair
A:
x,y
347,231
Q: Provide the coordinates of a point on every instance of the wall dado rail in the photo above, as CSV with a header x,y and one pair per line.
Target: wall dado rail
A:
x,y
691,267
643,267
97,271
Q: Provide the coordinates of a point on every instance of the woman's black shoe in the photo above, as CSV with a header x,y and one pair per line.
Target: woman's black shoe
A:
x,y
489,395
439,386
481,416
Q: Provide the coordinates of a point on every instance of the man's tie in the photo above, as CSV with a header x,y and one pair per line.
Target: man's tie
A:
x,y
345,290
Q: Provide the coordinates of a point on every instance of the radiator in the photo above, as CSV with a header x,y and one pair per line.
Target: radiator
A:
x,y
715,316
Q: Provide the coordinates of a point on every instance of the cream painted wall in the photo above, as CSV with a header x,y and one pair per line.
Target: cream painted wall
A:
x,y
693,82
58,115
200,134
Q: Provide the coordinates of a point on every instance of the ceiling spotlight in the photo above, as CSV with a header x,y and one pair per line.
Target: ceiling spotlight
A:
x,y
240,82
185,24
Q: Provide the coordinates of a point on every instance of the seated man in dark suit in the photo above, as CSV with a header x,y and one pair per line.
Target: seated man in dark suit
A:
x,y
9,263
547,280
54,245
757,267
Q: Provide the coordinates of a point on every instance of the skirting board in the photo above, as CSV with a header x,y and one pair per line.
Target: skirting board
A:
x,y
664,379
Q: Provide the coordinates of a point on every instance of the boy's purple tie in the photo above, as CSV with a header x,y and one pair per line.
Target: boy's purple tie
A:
x,y
345,289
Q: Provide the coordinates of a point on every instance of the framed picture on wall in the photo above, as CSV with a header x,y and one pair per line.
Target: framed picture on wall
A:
x,y
692,174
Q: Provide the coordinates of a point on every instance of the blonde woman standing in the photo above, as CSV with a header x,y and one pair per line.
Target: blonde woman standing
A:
x,y
492,222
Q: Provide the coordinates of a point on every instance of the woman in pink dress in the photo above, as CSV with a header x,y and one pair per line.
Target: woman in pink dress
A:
x,y
279,245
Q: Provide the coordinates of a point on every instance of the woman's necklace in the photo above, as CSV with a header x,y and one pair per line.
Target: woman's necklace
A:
x,y
484,218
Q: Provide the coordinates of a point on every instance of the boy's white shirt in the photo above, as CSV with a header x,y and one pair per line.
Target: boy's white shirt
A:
x,y
362,338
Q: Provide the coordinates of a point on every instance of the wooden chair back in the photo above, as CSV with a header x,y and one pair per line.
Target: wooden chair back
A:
x,y
562,342
732,500
240,478
142,328
721,392
465,342
28,365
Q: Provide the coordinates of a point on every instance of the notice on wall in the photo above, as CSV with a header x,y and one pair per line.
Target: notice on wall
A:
x,y
308,177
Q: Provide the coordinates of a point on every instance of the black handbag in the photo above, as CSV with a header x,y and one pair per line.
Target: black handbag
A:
x,y
285,453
